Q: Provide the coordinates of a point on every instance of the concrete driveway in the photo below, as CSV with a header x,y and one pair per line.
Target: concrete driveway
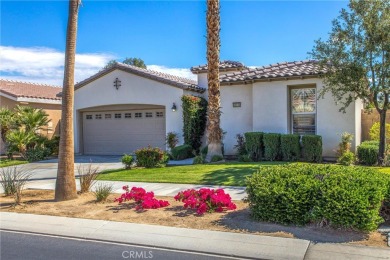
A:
x,y
47,169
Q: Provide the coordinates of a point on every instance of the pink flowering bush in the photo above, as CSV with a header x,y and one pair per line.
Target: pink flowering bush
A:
x,y
143,199
206,200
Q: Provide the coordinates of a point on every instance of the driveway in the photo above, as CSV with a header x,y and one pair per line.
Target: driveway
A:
x,y
47,169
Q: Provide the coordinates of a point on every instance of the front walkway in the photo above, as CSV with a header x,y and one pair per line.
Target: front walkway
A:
x,y
205,241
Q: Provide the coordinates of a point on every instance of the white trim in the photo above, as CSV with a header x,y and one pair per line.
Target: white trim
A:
x,y
32,100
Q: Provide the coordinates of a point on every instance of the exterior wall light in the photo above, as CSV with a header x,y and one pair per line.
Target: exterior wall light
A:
x,y
174,108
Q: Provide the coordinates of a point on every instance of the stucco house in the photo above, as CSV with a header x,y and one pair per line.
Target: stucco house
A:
x,y
13,93
123,108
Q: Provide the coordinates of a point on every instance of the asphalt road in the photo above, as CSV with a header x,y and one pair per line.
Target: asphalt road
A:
x,y
31,246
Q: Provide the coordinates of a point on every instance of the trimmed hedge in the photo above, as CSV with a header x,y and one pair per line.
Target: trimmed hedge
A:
x,y
271,146
254,145
348,197
182,152
290,147
367,153
312,148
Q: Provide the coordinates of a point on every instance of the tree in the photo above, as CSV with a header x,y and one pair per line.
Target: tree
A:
x,y
214,113
356,58
7,121
135,62
66,183
32,119
110,64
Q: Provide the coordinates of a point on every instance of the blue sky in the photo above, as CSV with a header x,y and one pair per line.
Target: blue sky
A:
x,y
168,35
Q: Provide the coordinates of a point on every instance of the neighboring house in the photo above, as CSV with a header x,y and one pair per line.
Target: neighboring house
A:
x,y
124,108
13,93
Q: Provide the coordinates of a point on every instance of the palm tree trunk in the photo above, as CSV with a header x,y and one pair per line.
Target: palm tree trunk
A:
x,y
66,183
214,114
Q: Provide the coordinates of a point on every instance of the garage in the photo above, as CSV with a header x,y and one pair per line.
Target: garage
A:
x,y
123,131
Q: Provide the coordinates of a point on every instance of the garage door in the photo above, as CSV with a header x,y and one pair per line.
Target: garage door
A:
x,y
119,132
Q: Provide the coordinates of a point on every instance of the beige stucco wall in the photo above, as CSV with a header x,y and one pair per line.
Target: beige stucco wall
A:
x,y
133,90
53,110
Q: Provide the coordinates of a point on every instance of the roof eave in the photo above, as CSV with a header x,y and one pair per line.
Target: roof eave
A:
x,y
249,81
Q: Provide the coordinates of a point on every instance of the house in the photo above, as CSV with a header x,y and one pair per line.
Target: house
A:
x,y
123,108
13,93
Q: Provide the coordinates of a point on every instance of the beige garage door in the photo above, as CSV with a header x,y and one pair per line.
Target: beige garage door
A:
x,y
119,132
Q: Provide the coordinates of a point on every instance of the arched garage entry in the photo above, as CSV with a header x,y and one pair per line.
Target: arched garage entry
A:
x,y
119,129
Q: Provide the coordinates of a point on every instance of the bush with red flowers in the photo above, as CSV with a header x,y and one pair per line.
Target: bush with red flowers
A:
x,y
143,199
206,200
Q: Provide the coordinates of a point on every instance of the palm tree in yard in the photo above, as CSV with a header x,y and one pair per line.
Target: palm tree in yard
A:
x,y
66,183
213,45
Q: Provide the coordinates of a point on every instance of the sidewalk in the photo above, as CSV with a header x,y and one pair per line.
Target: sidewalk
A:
x,y
213,242
159,189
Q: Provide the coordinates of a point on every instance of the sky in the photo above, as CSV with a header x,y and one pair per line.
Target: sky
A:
x,y
170,36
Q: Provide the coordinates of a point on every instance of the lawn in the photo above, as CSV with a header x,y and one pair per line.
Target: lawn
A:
x,y
229,174
6,162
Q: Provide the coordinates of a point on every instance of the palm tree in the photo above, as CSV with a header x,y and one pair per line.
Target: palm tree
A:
x,y
66,183
214,114
18,140
6,122
32,119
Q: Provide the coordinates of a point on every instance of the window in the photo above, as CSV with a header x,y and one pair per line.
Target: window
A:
x,y
127,115
107,116
303,111
138,115
159,114
148,114
98,116
88,117
118,115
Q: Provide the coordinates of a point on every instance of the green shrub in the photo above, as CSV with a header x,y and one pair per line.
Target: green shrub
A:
x,y
348,197
127,160
172,140
244,158
199,159
367,153
204,151
102,191
53,144
254,145
290,147
151,157
347,159
240,146
271,146
216,158
312,148
375,129
37,154
182,152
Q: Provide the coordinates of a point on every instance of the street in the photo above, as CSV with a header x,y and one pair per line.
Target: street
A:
x,y
16,245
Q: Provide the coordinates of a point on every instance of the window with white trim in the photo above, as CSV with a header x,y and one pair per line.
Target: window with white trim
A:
x,y
303,110
117,116
159,114
107,116
138,115
98,116
88,117
148,114
127,115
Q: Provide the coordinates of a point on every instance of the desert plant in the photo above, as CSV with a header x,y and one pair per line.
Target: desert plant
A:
x,y
127,160
172,140
347,159
143,199
206,200
240,146
102,191
216,158
13,179
150,157
88,175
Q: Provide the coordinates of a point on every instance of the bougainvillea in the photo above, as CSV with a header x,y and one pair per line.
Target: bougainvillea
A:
x,y
143,199
206,200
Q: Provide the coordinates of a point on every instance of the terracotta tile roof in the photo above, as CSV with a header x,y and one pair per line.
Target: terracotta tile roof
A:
x,y
172,80
225,65
29,90
274,71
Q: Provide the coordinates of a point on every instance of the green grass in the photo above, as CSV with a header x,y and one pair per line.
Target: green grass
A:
x,y
229,174
6,162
